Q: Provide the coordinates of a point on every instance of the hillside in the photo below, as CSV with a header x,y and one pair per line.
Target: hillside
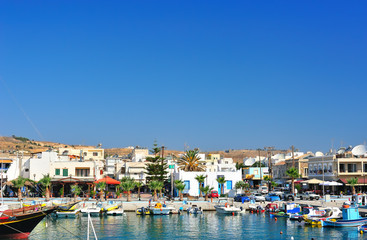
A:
x,y
11,144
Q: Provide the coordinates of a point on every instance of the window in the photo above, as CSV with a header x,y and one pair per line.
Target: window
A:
x,y
187,185
229,185
365,168
65,172
57,171
85,153
256,172
305,172
95,154
342,167
82,172
352,167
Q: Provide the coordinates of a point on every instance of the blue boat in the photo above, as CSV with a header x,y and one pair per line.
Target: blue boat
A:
x,y
351,218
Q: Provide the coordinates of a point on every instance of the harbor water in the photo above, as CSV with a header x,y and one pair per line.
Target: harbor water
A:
x,y
209,225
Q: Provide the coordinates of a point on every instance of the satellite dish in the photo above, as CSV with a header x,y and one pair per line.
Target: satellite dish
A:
x,y
249,161
319,154
359,150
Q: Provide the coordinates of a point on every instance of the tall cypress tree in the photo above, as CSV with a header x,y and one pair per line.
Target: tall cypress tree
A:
x,y
157,167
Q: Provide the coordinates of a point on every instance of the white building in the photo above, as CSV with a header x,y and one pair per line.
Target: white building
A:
x,y
192,185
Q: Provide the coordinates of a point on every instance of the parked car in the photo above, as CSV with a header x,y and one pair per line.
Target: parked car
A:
x,y
287,196
258,197
213,194
263,189
271,197
240,197
309,195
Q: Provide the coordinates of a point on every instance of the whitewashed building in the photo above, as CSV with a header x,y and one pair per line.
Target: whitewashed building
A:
x,y
192,185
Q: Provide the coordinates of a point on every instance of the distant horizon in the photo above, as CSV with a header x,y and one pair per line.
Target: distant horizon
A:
x,y
208,74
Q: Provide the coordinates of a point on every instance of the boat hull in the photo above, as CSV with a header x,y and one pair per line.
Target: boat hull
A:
x,y
344,223
22,225
227,210
160,211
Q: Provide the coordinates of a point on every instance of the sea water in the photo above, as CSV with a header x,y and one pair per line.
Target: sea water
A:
x,y
208,226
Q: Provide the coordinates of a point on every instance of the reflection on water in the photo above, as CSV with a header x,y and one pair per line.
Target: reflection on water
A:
x,y
206,226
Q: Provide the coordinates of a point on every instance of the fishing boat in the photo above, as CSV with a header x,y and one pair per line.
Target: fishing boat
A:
x,y
351,218
329,213
160,209
143,211
19,223
226,208
308,212
109,206
362,229
279,214
194,209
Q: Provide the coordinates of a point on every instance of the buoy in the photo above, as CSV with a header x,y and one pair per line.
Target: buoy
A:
x,y
281,232
361,232
292,238
232,213
275,219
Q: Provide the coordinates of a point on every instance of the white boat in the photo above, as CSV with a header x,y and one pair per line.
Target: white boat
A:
x,y
93,211
115,212
194,209
68,214
158,209
226,208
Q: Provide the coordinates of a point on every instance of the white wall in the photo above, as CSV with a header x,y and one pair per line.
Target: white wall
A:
x,y
209,180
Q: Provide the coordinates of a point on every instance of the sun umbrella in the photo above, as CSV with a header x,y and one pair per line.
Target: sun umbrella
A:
x,y
108,180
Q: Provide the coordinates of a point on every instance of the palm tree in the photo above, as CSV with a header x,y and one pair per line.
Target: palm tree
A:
x,y
127,186
240,185
139,185
119,191
155,185
221,181
268,179
76,189
352,182
180,187
293,173
19,183
46,182
190,162
101,186
206,190
200,179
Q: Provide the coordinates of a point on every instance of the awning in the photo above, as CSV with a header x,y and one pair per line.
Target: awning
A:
x,y
72,180
250,176
108,180
6,161
331,183
361,181
313,181
295,181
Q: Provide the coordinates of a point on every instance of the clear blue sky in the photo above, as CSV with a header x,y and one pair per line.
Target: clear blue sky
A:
x,y
209,74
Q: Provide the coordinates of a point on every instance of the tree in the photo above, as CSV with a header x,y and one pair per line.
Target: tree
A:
x,y
19,183
239,166
101,186
76,189
139,185
268,179
352,182
292,173
200,179
206,190
257,164
156,168
127,186
180,187
221,181
46,182
240,185
190,162
155,185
